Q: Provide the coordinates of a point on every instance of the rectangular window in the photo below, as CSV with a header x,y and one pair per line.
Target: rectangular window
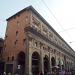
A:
x,y
18,23
16,33
24,40
44,30
15,42
36,44
50,34
35,21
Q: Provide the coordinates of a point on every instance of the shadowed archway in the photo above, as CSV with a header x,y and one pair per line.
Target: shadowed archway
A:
x,y
35,63
53,61
21,62
46,65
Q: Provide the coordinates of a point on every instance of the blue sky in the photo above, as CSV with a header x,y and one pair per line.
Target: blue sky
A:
x,y
10,7
60,14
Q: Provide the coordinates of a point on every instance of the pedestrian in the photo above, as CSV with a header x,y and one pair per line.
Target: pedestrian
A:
x,y
4,73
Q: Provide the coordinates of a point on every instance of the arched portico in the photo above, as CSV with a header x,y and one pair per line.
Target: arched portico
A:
x,y
21,62
53,61
35,63
46,65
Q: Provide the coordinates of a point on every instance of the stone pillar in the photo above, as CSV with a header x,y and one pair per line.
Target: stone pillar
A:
x,y
27,56
42,62
49,62
14,65
65,65
30,62
50,59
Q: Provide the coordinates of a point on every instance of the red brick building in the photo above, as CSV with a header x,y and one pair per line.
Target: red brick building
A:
x,y
32,46
1,56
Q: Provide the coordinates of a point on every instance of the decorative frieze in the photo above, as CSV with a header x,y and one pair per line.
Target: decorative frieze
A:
x,y
36,23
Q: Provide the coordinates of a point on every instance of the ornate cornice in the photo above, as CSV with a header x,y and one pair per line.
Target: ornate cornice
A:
x,y
34,31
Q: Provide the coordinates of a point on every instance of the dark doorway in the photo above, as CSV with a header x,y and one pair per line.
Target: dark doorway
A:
x,y
35,63
1,67
21,62
9,69
53,63
46,65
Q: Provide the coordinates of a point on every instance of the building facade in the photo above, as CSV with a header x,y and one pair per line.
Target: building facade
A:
x,y
32,46
1,56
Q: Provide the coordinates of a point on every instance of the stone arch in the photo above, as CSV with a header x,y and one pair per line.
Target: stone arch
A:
x,y
21,62
35,63
46,64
